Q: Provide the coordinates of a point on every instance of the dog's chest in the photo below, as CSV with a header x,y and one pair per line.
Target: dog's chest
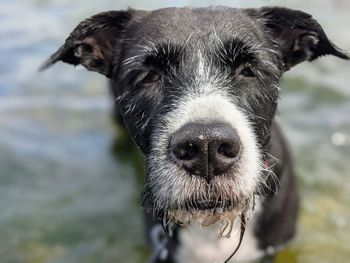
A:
x,y
202,244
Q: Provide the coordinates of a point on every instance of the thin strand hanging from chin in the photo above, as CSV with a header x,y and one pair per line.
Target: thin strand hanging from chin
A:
x,y
243,221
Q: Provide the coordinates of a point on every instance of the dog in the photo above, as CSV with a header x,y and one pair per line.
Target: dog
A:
x,y
197,90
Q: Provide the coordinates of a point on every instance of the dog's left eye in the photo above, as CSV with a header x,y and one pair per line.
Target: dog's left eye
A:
x,y
246,71
151,78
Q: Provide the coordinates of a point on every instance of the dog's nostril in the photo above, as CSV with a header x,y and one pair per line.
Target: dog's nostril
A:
x,y
185,151
229,150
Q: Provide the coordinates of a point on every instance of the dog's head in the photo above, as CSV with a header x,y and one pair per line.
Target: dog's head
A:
x,y
197,90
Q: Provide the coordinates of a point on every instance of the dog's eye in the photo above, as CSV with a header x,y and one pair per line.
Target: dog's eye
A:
x,y
151,78
246,71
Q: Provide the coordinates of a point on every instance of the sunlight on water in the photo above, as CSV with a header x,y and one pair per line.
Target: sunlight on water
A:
x,y
69,187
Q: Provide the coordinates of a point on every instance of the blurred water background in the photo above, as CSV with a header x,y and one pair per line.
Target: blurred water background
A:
x,y
69,179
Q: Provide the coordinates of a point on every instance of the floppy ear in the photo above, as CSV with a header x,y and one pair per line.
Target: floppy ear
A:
x,y
297,34
94,42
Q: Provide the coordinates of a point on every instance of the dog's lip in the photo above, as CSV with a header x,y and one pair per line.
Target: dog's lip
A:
x,y
210,205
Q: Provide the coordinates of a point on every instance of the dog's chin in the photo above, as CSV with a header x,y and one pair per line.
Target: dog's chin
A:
x,y
222,218
206,213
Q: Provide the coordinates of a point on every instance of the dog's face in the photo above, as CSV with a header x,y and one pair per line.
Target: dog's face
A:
x,y
197,90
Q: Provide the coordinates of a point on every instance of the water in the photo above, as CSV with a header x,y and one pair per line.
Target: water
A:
x,y
70,179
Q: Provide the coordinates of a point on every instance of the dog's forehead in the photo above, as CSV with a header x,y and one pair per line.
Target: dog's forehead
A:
x,y
194,25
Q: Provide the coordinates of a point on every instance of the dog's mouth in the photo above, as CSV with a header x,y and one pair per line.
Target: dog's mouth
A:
x,y
215,206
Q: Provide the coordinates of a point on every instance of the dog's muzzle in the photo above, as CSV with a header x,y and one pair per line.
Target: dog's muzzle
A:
x,y
205,149
204,163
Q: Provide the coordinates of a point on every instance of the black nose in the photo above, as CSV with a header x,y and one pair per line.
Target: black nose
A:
x,y
205,150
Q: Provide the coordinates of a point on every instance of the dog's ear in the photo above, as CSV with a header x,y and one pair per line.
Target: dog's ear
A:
x,y
94,42
298,35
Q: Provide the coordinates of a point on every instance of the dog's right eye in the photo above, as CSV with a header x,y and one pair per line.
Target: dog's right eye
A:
x,y
245,71
151,78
